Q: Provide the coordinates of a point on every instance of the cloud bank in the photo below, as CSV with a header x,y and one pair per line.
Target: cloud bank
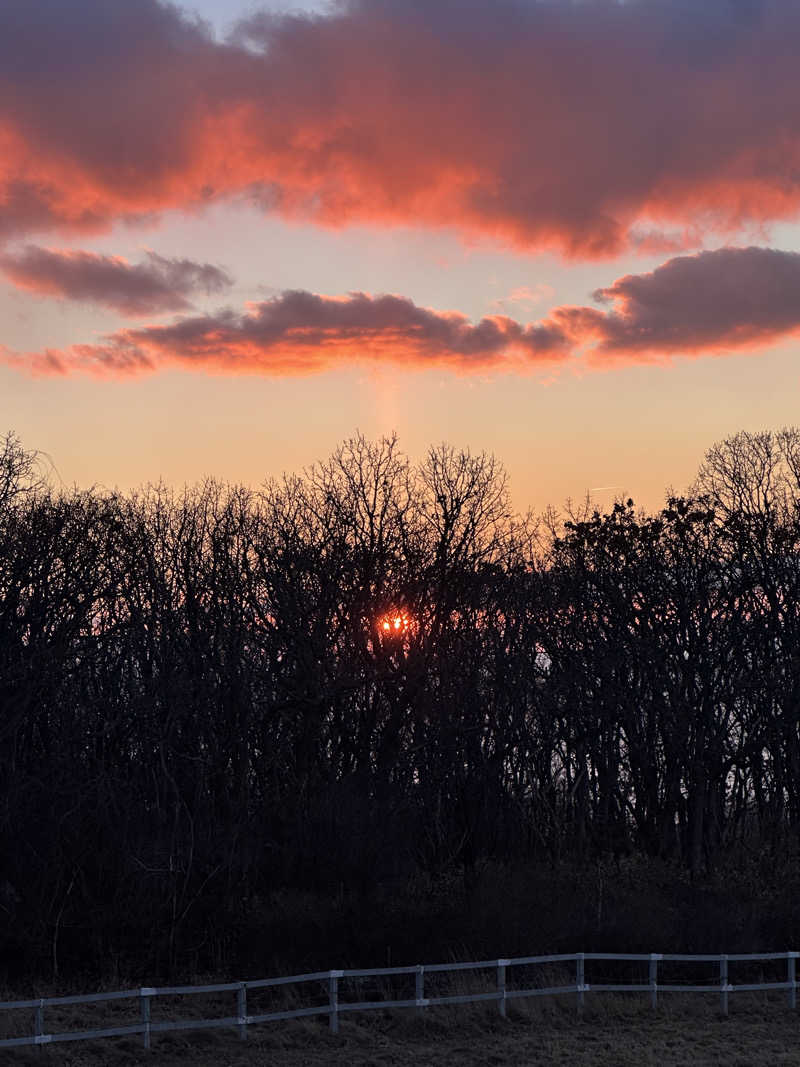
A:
x,y
710,303
155,285
588,127
300,333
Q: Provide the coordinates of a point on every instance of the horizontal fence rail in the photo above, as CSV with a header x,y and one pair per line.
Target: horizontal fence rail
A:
x,y
329,986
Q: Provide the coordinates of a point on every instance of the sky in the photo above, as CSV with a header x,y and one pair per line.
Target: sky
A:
x,y
566,232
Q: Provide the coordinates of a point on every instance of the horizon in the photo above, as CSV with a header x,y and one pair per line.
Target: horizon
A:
x,y
595,498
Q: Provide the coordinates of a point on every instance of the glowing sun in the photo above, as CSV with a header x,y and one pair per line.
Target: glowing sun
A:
x,y
395,622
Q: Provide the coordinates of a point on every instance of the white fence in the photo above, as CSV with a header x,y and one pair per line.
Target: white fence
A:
x,y
500,992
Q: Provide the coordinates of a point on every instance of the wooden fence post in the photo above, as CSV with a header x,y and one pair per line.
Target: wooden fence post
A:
x,y
501,986
144,997
792,977
654,958
419,988
580,976
241,1010
333,997
723,984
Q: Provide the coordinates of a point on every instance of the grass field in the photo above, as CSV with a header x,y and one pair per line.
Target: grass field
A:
x,y
613,1032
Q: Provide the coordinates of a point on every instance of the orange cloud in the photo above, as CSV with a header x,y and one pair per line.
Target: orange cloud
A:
x,y
589,127
714,302
301,333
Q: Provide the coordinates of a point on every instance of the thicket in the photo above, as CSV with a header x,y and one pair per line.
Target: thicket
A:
x,y
213,755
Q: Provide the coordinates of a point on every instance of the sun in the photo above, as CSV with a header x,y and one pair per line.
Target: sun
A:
x,y
395,623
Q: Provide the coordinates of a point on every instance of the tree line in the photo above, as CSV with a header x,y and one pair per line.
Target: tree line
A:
x,y
200,703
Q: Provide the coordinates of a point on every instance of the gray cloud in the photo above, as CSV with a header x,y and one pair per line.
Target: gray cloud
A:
x,y
157,284
728,299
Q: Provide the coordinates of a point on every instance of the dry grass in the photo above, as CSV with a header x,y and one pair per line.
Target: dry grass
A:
x,y
613,1032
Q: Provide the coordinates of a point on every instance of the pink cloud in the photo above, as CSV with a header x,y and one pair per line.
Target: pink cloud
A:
x,y
589,127
525,296
157,284
732,299
301,333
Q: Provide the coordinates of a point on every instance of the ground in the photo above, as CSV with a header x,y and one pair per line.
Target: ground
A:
x,y
611,1033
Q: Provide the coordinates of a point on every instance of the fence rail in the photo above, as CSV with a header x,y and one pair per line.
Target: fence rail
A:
x,y
333,1008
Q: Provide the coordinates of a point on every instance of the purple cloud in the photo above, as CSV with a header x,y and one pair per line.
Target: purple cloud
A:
x,y
155,285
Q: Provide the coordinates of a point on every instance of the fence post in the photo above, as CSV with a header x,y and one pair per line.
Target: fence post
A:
x,y
241,1010
654,958
419,988
723,984
38,1028
144,996
792,977
333,997
580,975
501,986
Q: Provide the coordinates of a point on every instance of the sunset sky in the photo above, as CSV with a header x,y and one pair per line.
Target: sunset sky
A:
x,y
233,234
